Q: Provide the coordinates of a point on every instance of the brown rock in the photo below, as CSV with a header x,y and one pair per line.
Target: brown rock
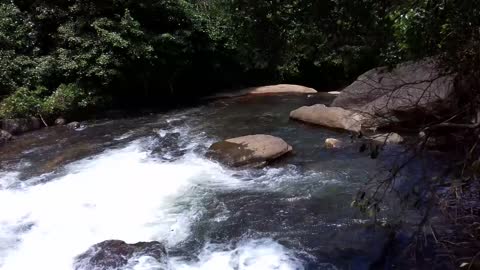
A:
x,y
331,143
248,150
332,117
281,89
267,90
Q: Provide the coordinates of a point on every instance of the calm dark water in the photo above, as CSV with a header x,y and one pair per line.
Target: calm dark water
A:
x,y
146,178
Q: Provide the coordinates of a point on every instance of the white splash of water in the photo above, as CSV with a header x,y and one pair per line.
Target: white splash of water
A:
x,y
120,194
262,254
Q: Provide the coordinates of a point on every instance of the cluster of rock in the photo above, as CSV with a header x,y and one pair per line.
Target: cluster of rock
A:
x,y
381,98
10,127
13,127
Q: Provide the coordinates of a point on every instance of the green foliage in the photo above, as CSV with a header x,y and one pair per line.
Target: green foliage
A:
x,y
23,102
16,32
150,51
66,100
426,28
16,29
293,39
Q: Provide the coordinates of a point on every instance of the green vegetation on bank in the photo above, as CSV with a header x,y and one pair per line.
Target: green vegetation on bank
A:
x,y
67,57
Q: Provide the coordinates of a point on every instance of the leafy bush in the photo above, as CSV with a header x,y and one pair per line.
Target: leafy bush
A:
x,y
66,100
21,103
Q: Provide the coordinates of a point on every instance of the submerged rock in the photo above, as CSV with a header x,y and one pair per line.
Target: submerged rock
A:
x,y
4,136
68,154
20,125
170,146
331,143
248,150
387,138
114,254
376,143
408,92
60,121
73,125
332,117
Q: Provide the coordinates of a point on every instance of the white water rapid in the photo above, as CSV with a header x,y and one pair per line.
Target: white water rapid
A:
x,y
123,194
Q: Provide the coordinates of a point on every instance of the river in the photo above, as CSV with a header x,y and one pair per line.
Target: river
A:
x,y
146,178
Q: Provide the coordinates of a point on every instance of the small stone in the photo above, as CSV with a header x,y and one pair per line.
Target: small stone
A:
x,y
73,125
331,143
4,136
60,121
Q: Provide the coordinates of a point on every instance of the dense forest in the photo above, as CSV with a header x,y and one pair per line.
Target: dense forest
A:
x,y
67,57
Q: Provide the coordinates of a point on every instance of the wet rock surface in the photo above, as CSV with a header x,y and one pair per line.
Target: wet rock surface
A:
x,y
74,125
252,149
332,143
332,117
19,126
60,121
116,254
4,136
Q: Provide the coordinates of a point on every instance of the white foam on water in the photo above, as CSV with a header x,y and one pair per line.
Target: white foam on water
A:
x,y
263,254
121,194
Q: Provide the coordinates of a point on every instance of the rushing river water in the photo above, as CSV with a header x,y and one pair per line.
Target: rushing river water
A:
x,y
146,178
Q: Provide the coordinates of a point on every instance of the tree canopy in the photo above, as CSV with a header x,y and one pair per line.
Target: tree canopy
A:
x,y
132,53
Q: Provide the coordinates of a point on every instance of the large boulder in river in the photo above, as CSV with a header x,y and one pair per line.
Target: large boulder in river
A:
x,y
332,117
249,150
116,254
267,90
21,125
404,94
281,89
4,136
